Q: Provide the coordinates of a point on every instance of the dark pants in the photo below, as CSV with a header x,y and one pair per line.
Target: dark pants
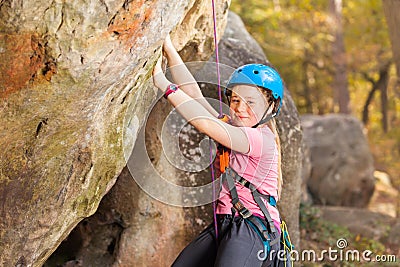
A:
x,y
238,246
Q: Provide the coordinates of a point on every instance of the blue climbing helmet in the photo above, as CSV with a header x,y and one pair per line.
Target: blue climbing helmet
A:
x,y
260,75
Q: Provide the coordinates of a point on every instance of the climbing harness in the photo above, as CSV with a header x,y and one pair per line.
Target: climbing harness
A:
x,y
264,228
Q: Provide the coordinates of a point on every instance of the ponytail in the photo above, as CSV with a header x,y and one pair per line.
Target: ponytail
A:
x,y
272,126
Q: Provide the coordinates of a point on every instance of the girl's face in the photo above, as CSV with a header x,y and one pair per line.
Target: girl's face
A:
x,y
247,105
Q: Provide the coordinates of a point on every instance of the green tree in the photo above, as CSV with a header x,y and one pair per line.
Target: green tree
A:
x,y
339,59
296,38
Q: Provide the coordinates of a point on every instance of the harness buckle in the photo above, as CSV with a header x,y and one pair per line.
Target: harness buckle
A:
x,y
244,182
243,211
266,235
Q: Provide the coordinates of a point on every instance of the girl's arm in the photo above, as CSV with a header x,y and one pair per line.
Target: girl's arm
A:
x,y
200,117
183,77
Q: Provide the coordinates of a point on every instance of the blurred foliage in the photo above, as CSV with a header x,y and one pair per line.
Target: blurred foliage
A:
x,y
315,228
296,36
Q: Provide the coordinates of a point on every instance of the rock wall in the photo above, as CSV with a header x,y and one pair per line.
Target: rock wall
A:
x,y
341,162
68,72
72,76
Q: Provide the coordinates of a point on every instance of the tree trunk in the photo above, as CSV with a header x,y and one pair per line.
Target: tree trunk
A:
x,y
306,85
398,207
381,85
384,100
365,115
340,83
392,10
277,5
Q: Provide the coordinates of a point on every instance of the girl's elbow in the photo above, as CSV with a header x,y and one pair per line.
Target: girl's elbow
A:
x,y
202,125
205,126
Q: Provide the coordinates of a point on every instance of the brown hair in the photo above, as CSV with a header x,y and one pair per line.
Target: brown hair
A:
x,y
270,99
272,125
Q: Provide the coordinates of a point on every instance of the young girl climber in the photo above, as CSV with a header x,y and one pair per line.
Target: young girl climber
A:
x,y
248,220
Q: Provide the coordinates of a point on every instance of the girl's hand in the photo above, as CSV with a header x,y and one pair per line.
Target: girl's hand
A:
x,y
168,46
159,78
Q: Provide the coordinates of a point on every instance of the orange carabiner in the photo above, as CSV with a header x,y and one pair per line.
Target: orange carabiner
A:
x,y
223,151
223,160
224,118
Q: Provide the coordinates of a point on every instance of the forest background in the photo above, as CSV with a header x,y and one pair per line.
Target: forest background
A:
x,y
335,57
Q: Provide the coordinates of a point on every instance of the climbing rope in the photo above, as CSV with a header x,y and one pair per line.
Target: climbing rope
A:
x,y
217,60
214,193
221,115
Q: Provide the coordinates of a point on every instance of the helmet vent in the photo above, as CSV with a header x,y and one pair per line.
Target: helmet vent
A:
x,y
240,70
256,72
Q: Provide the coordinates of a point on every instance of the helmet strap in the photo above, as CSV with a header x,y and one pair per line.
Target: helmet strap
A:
x,y
265,119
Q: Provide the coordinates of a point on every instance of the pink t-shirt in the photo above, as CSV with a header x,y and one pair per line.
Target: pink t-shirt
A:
x,y
260,167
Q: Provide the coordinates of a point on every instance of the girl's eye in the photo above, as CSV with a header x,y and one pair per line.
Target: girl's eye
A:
x,y
235,100
250,102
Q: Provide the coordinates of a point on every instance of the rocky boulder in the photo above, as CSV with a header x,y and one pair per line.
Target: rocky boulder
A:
x,y
341,162
384,199
68,73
